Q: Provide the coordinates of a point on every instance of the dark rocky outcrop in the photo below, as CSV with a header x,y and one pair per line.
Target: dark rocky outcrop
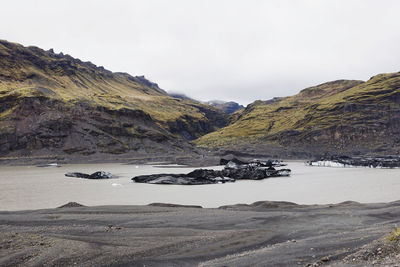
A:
x,y
95,175
234,170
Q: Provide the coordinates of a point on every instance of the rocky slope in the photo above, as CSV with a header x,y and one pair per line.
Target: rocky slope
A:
x,y
339,117
54,104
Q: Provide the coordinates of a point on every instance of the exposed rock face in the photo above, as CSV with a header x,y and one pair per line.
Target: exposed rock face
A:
x,y
54,104
232,171
95,175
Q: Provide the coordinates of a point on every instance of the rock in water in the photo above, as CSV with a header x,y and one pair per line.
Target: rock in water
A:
x,y
95,175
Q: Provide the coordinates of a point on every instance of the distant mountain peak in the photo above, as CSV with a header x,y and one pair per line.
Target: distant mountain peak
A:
x,y
228,107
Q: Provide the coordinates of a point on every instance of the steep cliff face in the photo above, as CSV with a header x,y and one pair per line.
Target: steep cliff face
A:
x,y
340,117
55,104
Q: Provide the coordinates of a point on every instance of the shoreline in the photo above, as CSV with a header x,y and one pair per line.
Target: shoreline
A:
x,y
192,160
264,233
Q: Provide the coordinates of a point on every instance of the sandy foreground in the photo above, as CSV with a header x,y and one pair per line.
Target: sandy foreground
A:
x,y
261,234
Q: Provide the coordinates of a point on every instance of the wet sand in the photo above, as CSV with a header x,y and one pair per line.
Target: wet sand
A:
x,y
261,234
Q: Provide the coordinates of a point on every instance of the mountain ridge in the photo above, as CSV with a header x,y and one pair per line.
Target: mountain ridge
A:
x,y
228,107
56,104
339,117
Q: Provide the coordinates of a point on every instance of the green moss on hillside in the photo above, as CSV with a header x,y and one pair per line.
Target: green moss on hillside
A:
x,y
92,102
315,112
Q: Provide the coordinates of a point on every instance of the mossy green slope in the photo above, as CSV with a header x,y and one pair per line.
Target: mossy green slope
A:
x,y
115,112
343,116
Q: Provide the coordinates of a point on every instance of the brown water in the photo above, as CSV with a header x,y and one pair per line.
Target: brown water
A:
x,y
31,187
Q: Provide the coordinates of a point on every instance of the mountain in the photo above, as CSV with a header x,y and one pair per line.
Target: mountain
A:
x,y
54,104
339,117
228,107
182,96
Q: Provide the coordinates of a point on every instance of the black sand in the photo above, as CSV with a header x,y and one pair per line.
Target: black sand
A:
x,y
262,234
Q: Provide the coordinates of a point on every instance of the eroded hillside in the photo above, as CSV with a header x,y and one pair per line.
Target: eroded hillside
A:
x,y
337,117
54,104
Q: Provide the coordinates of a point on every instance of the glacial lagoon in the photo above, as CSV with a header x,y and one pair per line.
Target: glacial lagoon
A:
x,y
31,187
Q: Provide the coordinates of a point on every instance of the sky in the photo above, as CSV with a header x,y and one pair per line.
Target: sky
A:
x,y
216,49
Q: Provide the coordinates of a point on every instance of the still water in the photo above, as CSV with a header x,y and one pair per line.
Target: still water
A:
x,y
30,187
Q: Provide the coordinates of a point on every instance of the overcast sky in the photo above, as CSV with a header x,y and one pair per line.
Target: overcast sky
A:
x,y
229,50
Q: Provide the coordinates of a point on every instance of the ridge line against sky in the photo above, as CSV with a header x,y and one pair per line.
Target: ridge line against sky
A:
x,y
228,50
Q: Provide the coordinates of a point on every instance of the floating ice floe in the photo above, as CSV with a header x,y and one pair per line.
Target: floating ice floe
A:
x,y
328,163
56,165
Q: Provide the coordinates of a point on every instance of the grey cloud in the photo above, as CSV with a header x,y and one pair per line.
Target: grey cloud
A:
x,y
229,50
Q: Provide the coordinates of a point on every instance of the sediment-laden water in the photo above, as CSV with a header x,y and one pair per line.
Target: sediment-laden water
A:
x,y
30,187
